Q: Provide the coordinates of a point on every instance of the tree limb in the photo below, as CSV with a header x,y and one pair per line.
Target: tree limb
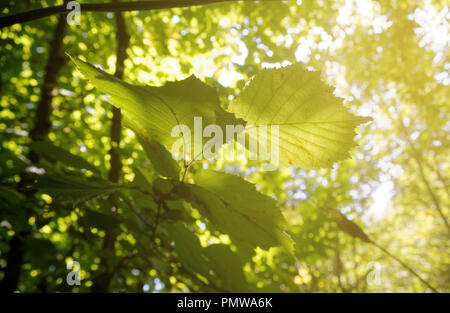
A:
x,y
110,7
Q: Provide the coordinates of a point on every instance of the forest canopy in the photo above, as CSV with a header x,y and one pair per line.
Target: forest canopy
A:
x,y
224,146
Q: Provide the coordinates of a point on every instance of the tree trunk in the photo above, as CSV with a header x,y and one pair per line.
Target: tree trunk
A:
x,y
40,130
103,281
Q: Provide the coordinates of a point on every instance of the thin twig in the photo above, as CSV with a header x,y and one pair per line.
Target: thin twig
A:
x,y
133,209
156,222
187,170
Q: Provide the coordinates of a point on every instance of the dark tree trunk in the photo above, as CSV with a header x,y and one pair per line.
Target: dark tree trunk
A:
x,y
40,130
102,282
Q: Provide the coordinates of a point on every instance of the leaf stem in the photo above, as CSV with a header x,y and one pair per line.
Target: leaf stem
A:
x,y
187,170
158,213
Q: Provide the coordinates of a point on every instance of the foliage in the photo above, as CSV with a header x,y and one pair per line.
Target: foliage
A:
x,y
314,224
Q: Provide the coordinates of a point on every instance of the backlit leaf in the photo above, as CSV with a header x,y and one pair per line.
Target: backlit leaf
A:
x,y
74,188
348,226
52,152
315,128
153,112
236,208
160,158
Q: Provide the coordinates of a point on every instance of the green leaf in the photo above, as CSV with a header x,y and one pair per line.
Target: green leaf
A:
x,y
153,112
227,267
14,208
161,158
348,226
100,220
234,206
176,210
10,195
188,248
40,251
142,178
162,188
217,259
73,188
315,129
52,152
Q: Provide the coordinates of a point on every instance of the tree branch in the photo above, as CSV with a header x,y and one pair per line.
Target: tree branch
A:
x,y
109,7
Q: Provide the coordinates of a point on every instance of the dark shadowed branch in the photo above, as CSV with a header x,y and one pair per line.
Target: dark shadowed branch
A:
x,y
109,7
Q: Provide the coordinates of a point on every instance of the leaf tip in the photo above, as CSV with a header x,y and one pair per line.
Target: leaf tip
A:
x,y
365,119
